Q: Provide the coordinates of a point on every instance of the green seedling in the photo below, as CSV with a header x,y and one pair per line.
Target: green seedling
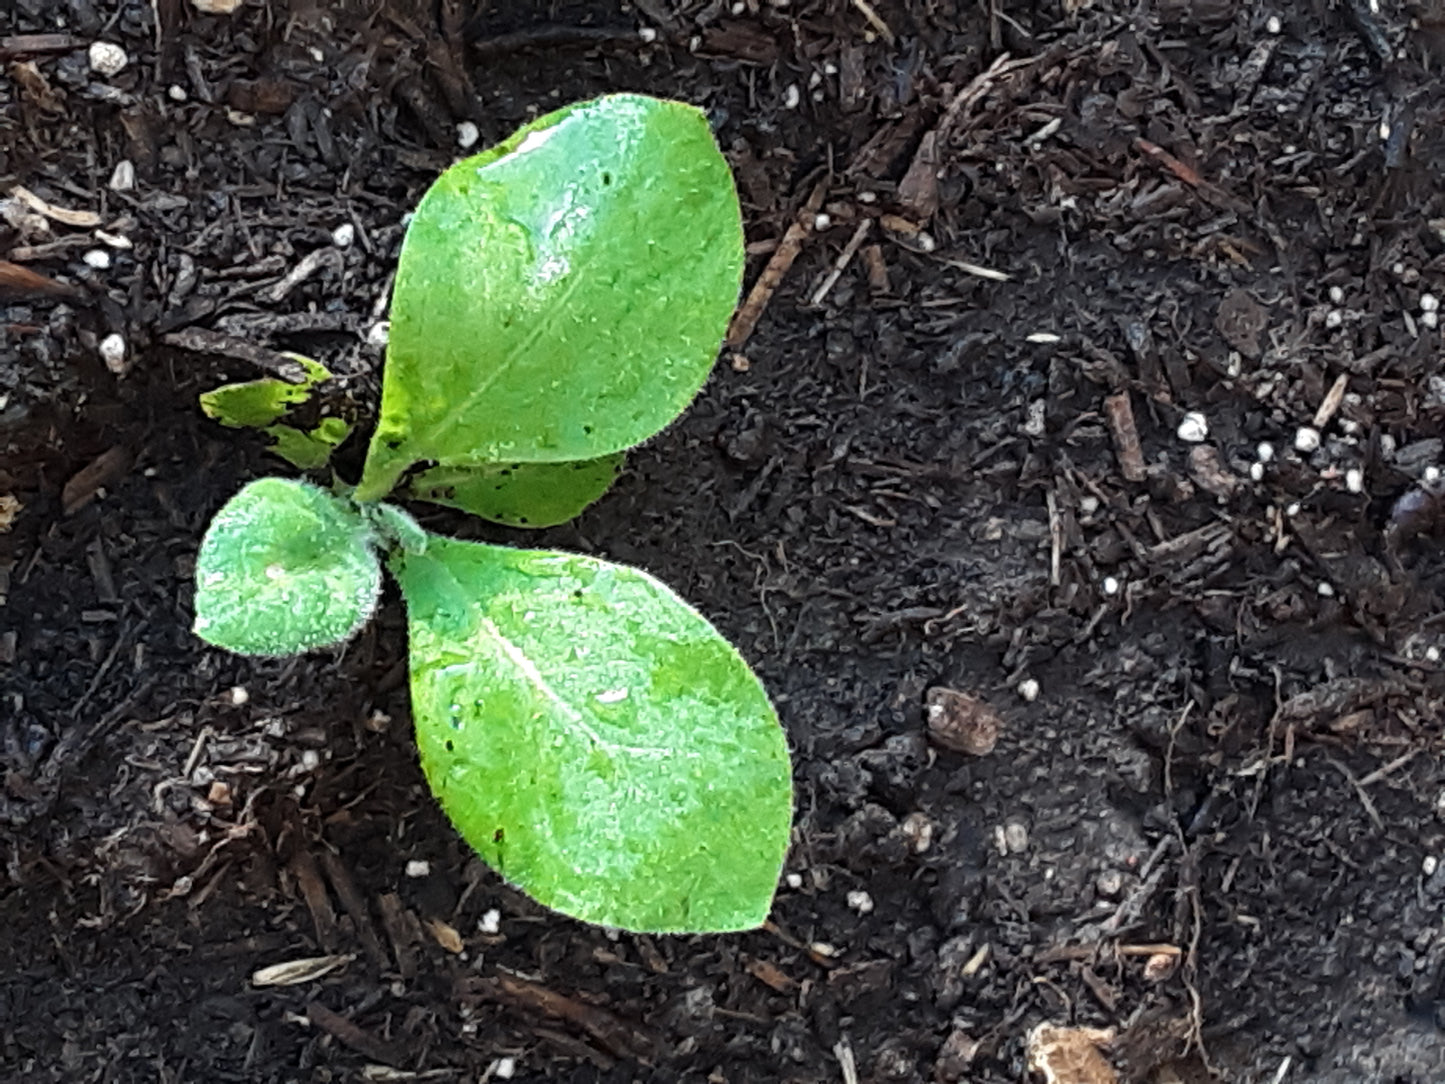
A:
x,y
559,299
260,404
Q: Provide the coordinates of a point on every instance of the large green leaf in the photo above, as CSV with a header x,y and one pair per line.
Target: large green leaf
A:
x,y
520,494
285,567
594,738
560,296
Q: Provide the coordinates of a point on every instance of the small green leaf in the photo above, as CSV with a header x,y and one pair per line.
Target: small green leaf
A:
x,y
258,403
595,739
560,297
520,494
308,450
285,567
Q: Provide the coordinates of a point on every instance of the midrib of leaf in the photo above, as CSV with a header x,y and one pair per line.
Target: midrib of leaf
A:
x,y
451,420
518,658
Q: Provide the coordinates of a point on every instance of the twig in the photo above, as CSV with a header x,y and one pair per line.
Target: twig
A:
x,y
751,310
977,270
844,258
17,45
1385,769
1331,402
1360,790
360,1040
875,20
1056,539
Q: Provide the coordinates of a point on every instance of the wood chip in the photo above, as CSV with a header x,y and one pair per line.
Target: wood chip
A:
x,y
204,341
19,279
1332,400
296,972
340,878
1119,413
771,975
1070,1055
85,220
918,191
963,723
445,935
313,890
110,466
403,931
877,270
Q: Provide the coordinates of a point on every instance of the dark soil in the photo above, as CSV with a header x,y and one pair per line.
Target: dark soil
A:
x,y
1217,828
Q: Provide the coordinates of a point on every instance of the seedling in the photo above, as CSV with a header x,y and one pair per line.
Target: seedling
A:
x,y
559,299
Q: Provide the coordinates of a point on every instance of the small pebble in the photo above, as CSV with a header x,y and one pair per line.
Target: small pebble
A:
x,y
418,867
113,352
1016,837
97,258
490,922
1355,480
1306,439
1429,303
1430,319
467,135
1432,654
1256,472
1429,865
1337,295
860,901
1325,589
1334,318
107,58
1193,428
792,96
122,178
379,334
504,1068
238,695
1109,883
822,221
1432,474
343,235
795,880
1272,25
1110,585
917,828
647,35
1264,452
1029,689
177,93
